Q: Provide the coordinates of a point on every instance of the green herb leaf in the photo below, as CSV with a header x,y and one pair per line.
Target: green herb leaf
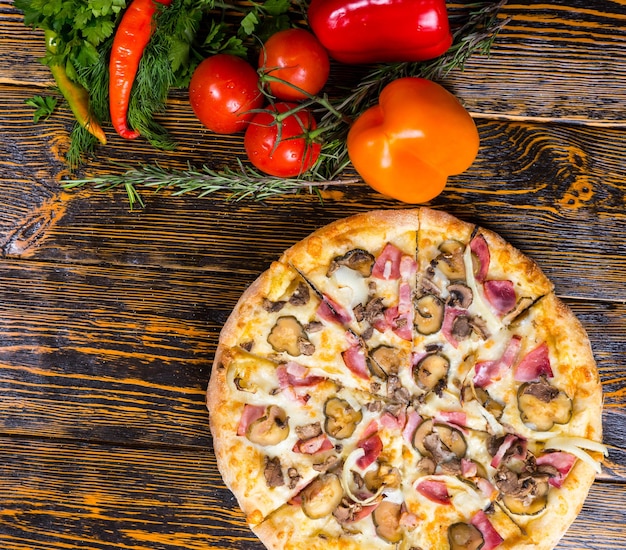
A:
x,y
44,106
276,7
249,23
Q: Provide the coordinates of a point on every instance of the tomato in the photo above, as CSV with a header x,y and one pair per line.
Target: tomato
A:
x,y
298,58
406,146
294,154
222,91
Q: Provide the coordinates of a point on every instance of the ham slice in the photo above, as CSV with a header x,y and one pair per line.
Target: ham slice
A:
x,y
456,418
314,445
480,249
408,268
372,446
450,315
562,461
434,490
491,537
387,265
399,318
248,416
412,422
392,422
487,372
501,295
468,468
511,441
294,375
331,311
355,357
534,364
295,381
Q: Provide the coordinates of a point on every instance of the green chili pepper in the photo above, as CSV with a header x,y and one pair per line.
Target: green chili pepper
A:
x,y
76,96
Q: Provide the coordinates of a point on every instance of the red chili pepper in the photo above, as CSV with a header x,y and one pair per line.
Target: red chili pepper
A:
x,y
131,38
371,31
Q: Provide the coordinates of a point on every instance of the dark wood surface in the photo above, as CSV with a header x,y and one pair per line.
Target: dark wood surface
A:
x,y
109,318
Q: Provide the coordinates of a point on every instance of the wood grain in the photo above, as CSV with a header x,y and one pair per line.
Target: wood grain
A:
x,y
561,61
109,318
551,177
63,494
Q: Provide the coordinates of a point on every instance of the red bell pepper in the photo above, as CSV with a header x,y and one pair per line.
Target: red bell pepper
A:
x,y
380,31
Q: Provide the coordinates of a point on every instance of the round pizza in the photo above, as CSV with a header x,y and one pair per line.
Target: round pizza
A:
x,y
404,379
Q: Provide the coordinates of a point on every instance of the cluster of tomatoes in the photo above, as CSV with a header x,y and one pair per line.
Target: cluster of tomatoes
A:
x,y
229,95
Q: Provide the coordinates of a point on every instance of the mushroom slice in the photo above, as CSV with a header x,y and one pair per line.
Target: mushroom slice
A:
x,y
425,428
460,295
440,441
431,370
450,260
492,406
384,361
270,429
273,472
523,507
530,504
322,496
287,335
429,310
357,259
386,518
452,439
384,476
521,307
341,418
464,536
542,405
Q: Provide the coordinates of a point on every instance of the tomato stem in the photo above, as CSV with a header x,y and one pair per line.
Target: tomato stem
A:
x,y
311,99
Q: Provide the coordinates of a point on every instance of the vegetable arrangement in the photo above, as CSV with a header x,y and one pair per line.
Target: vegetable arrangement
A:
x,y
257,69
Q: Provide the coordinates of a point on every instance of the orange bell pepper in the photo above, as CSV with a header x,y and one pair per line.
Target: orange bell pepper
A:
x,y
406,146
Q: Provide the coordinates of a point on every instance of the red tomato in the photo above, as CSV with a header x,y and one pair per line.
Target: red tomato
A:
x,y
297,57
294,154
222,91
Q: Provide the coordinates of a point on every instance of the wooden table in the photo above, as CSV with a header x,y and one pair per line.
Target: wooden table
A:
x,y
109,318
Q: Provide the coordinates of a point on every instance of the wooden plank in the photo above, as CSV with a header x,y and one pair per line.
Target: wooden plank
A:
x,y
577,44
565,182
562,60
120,354
67,495
59,494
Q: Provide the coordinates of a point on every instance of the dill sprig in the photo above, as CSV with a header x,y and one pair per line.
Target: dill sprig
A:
x,y
475,27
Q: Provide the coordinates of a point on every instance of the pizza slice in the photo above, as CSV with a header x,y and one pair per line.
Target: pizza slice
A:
x,y
360,502
364,271
277,427
472,283
281,318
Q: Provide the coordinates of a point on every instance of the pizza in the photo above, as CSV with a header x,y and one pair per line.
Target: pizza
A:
x,y
404,379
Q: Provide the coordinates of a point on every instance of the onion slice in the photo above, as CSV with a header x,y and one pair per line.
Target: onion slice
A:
x,y
349,465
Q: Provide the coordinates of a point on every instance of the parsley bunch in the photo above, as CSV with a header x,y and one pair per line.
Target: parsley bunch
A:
x,y
188,31
81,27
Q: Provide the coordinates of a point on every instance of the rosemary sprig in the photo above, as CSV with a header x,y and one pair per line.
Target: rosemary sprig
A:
x,y
475,27
240,183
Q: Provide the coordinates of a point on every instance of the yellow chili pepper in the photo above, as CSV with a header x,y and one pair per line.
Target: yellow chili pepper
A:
x,y
76,96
